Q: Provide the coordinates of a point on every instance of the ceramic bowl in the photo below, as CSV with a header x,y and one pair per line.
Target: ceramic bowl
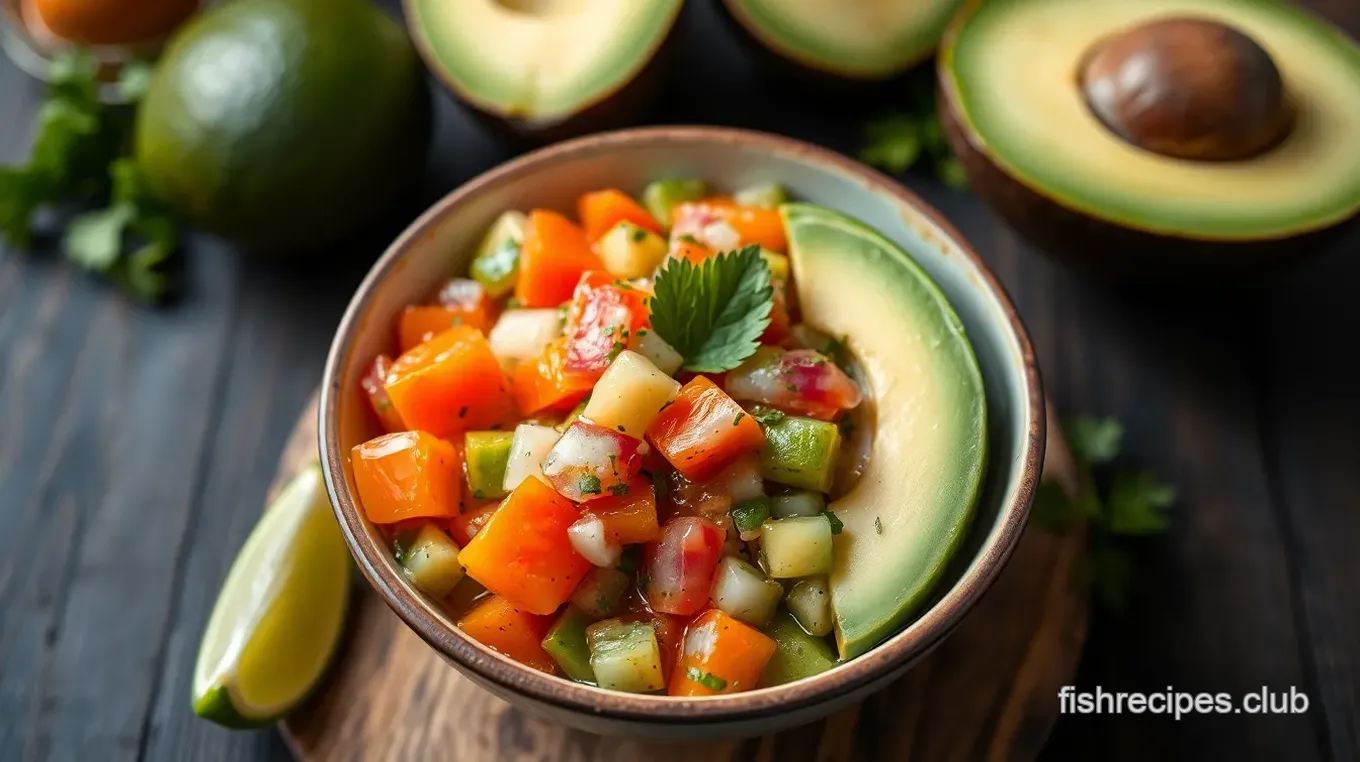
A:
x,y
439,244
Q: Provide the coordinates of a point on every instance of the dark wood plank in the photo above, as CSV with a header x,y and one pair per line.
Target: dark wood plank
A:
x,y
280,342
1313,430
1212,609
91,495
96,479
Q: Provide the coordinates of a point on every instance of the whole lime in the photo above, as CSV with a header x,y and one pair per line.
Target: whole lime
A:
x,y
284,123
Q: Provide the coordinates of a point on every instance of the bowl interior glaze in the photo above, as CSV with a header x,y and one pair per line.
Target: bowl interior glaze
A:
x,y
439,245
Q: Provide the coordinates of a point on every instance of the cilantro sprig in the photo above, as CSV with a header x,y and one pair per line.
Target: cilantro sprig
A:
x,y
897,141
78,157
713,313
1135,504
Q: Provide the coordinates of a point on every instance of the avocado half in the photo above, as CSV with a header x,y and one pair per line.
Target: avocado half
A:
x,y
850,39
906,515
1141,140
546,69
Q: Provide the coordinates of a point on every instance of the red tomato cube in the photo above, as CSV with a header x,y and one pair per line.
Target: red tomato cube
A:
x,y
374,387
680,565
800,381
604,313
703,431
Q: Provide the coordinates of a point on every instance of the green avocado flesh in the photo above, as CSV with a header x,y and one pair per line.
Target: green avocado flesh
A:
x,y
540,60
1013,65
906,514
867,39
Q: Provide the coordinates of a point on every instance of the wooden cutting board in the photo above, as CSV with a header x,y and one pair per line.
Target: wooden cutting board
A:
x,y
989,692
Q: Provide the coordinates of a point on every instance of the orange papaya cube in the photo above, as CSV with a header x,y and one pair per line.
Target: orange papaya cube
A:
x,y
421,322
602,210
407,475
628,515
523,553
497,624
546,385
451,384
719,655
552,258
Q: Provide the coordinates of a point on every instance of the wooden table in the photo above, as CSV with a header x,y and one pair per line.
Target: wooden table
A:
x,y
136,445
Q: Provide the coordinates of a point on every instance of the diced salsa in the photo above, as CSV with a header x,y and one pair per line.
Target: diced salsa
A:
x,y
609,451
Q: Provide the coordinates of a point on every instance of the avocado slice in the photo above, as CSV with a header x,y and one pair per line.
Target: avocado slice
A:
x,y
867,40
910,508
545,68
1044,144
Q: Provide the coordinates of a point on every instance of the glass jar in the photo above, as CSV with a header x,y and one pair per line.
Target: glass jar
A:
x,y
32,45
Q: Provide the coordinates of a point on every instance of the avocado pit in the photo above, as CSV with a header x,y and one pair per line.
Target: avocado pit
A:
x,y
1188,88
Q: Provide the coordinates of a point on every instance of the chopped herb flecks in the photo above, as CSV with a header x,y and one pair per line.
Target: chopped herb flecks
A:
x,y
836,526
706,679
588,484
769,417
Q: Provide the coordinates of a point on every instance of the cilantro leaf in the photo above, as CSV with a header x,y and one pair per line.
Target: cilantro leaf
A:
x,y
768,416
835,521
896,142
133,80
714,313
95,239
588,484
892,143
952,173
1137,504
706,679
77,140
1094,440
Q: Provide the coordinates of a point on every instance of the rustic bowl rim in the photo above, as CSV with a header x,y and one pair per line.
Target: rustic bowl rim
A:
x,y
912,642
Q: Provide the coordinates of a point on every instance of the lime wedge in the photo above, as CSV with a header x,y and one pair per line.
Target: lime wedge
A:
x,y
280,613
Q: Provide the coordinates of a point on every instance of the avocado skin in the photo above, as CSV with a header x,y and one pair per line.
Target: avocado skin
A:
x,y
625,107
319,115
1114,253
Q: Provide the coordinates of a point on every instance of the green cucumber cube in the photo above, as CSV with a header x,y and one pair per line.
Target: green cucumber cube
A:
x,y
431,562
601,593
487,453
809,600
625,656
796,653
496,265
801,452
796,547
566,644
663,195
766,195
